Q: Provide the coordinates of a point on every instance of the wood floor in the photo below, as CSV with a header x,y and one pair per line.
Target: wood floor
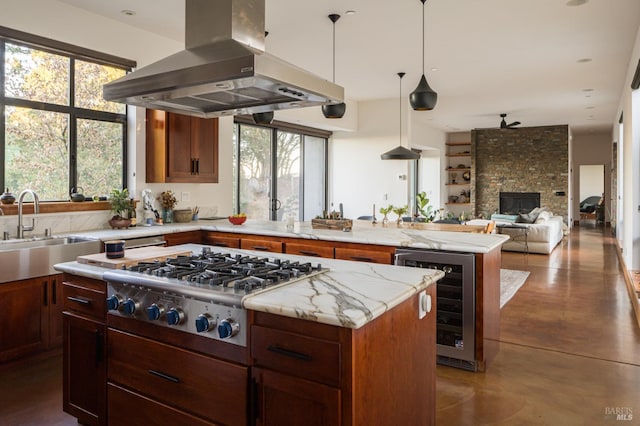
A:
x,y
569,352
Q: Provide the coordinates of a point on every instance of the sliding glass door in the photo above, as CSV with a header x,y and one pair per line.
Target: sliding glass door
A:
x,y
279,173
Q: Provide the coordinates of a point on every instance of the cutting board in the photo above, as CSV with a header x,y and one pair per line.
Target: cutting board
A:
x,y
132,256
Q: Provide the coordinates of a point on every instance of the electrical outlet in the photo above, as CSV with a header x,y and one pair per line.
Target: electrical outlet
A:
x,y
185,196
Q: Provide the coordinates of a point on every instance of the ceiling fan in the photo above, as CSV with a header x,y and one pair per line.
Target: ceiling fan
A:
x,y
504,125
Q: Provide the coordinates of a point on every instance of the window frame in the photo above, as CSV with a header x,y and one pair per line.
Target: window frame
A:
x,y
279,126
73,53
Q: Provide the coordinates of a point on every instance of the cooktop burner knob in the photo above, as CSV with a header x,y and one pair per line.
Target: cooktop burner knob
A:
x,y
204,323
114,302
174,316
154,312
129,306
228,328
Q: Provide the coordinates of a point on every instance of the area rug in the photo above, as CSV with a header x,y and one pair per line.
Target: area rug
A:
x,y
510,281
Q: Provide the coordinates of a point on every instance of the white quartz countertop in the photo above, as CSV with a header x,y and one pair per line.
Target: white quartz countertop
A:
x,y
363,233
350,294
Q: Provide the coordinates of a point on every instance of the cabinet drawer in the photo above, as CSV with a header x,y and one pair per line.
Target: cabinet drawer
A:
x,y
297,355
221,241
88,301
207,387
261,245
361,255
129,408
309,250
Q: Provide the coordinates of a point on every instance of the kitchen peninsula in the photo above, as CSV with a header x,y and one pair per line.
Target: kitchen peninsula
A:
x,y
354,343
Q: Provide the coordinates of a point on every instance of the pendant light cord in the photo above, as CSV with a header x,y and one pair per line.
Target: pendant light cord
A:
x,y
423,1
334,51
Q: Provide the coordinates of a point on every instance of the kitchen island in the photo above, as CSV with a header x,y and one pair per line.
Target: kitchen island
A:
x,y
353,345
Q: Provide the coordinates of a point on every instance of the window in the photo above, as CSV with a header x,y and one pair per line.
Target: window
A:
x,y
56,130
280,171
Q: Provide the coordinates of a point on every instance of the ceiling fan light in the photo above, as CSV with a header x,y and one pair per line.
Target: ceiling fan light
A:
x,y
263,117
423,98
400,153
334,110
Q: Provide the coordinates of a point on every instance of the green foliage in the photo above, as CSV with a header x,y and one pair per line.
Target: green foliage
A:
x,y
119,199
400,211
386,210
424,208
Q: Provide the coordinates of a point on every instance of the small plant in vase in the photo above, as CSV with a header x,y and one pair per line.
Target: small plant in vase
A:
x,y
168,201
120,203
400,211
384,211
424,208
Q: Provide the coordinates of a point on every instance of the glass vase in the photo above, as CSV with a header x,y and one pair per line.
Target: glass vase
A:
x,y
167,216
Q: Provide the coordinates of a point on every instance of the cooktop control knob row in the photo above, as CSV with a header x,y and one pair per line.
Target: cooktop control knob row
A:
x,y
228,328
130,305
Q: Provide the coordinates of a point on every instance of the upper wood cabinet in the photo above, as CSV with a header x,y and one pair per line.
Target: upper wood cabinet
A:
x,y
181,148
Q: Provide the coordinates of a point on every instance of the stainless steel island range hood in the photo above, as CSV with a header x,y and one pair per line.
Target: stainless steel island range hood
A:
x,y
223,69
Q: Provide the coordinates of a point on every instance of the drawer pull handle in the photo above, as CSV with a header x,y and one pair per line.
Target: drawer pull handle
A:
x,y
309,253
291,354
362,259
260,248
79,300
164,376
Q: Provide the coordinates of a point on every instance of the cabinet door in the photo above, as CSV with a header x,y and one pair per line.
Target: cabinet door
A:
x,y
191,237
261,245
315,250
23,318
215,239
84,370
284,400
56,304
364,255
180,158
204,149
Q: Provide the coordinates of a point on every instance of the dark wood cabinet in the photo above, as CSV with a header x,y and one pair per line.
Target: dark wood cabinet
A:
x,y
310,248
221,239
30,317
260,243
317,374
366,253
190,237
181,148
84,349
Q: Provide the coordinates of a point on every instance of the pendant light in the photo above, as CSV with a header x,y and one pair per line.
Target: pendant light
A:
x,y
334,110
263,117
423,98
400,152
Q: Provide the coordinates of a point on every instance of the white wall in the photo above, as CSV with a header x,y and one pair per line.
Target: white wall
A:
x,y
629,180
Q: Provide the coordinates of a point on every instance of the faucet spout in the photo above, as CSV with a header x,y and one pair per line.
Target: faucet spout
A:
x,y
36,210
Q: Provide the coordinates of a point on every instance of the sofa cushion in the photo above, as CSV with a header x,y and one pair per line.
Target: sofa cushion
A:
x,y
504,217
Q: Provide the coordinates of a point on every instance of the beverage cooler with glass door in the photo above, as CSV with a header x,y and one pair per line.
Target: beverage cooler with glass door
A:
x,y
455,306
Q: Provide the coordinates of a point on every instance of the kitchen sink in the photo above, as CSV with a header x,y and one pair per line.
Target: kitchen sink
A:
x,y
23,259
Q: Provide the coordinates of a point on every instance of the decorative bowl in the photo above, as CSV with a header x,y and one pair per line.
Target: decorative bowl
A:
x,y
182,215
237,220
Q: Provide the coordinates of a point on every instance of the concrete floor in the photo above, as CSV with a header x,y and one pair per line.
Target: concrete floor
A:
x,y
569,345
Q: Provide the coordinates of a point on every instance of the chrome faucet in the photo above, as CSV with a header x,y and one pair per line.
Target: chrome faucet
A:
x,y
36,210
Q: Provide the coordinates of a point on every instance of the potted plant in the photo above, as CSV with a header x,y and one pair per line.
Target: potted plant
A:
x,y
400,211
120,202
385,211
424,209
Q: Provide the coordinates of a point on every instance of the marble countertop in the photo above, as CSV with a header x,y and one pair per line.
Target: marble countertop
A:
x,y
350,294
363,232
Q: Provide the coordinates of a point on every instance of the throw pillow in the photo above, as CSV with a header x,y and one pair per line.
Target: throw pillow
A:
x,y
504,217
544,216
526,218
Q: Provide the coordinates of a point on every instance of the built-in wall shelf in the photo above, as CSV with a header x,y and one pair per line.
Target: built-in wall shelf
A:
x,y
462,169
458,184
458,204
458,167
458,144
459,154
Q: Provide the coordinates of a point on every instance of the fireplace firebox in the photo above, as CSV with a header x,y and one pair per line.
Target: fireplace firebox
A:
x,y
518,202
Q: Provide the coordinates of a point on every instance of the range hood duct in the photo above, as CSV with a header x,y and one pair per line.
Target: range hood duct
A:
x,y
223,70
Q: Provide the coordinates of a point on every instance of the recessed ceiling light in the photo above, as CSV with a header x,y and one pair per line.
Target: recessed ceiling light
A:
x,y
350,12
590,107
434,69
576,2
587,90
584,60
128,12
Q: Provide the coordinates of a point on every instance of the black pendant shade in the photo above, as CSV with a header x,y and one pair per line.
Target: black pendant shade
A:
x,y
263,117
423,98
334,110
400,152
